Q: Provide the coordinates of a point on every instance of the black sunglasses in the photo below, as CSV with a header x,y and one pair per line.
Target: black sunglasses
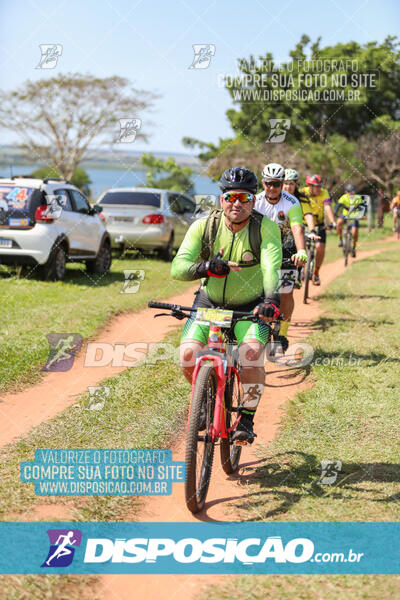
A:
x,y
274,184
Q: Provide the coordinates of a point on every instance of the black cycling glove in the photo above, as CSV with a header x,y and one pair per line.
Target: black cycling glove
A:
x,y
215,267
269,310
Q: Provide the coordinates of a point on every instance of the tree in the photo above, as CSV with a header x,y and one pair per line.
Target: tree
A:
x,y
59,118
178,178
253,89
79,178
379,150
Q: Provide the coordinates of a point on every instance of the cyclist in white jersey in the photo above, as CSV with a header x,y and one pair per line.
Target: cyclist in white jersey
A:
x,y
285,210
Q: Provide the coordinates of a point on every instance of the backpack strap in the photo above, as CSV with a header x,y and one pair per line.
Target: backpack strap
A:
x,y
210,233
211,228
255,233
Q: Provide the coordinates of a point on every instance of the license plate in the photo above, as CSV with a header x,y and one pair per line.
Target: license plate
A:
x,y
123,219
5,243
216,316
18,222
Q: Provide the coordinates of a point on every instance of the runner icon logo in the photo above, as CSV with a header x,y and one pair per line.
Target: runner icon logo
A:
x,y
133,279
202,55
50,55
279,129
62,547
128,130
63,348
329,471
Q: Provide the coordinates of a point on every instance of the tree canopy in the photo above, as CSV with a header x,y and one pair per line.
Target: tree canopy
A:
x,y
57,119
336,133
177,178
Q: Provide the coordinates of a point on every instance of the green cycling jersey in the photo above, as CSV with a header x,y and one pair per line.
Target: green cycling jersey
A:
x,y
238,287
347,202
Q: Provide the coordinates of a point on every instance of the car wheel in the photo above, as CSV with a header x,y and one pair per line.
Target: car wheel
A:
x,y
54,268
102,263
167,252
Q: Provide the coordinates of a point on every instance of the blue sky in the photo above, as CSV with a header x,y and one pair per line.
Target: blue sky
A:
x,y
150,43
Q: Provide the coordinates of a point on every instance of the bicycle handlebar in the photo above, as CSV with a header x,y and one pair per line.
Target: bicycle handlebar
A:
x,y
178,308
152,304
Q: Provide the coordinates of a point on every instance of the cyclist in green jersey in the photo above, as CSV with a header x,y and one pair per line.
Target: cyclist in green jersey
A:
x,y
346,203
241,282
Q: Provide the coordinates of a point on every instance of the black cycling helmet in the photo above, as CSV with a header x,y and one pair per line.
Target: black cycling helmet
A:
x,y
238,178
350,188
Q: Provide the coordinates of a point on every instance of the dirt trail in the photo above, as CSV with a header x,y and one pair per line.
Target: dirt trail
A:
x,y
281,385
23,410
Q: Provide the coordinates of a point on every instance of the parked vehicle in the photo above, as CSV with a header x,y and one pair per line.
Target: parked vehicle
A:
x,y
44,223
148,218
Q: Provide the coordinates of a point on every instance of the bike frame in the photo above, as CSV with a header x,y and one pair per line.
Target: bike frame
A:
x,y
217,354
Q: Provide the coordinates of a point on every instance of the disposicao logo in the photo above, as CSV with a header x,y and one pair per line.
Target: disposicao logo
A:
x,y
191,550
62,550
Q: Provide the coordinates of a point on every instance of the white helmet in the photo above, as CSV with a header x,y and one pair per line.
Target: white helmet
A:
x,y
291,175
273,171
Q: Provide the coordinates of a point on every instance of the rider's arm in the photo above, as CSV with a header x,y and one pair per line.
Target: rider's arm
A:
x,y
270,256
295,216
188,256
328,208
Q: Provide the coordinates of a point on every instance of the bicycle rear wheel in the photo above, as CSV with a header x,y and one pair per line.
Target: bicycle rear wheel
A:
x,y
200,448
230,452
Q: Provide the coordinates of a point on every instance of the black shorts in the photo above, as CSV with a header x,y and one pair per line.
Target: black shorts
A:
x,y
321,230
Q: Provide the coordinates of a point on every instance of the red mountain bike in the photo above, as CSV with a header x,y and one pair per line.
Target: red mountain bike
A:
x,y
215,398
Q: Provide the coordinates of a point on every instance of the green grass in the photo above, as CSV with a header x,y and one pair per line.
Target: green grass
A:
x,y
351,414
48,587
30,309
306,587
145,409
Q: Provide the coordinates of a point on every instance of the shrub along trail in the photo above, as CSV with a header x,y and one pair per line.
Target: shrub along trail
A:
x,y
225,493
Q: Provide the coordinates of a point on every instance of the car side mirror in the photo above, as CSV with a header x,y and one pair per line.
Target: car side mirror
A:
x,y
95,210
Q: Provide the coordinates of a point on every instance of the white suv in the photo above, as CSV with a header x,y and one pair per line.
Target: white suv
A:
x,y
46,222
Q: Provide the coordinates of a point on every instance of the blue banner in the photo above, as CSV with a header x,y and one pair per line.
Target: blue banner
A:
x,y
192,548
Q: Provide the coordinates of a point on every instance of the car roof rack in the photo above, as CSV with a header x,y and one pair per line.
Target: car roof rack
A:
x,y
47,179
22,177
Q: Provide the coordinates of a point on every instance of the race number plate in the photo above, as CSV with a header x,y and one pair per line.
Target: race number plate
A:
x,y
216,316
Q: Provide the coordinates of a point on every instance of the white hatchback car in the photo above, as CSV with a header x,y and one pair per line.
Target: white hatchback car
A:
x,y
46,222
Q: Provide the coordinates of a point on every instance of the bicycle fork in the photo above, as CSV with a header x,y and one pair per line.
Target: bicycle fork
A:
x,y
218,428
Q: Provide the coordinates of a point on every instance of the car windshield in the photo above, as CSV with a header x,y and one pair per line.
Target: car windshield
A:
x,y
132,198
15,198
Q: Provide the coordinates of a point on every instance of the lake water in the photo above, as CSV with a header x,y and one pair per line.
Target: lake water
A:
x,y
104,179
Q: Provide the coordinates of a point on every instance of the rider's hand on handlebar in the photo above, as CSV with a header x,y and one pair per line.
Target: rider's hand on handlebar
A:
x,y
267,312
300,258
313,235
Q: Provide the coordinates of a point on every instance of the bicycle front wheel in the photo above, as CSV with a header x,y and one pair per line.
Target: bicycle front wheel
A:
x,y
200,448
347,247
230,452
308,271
